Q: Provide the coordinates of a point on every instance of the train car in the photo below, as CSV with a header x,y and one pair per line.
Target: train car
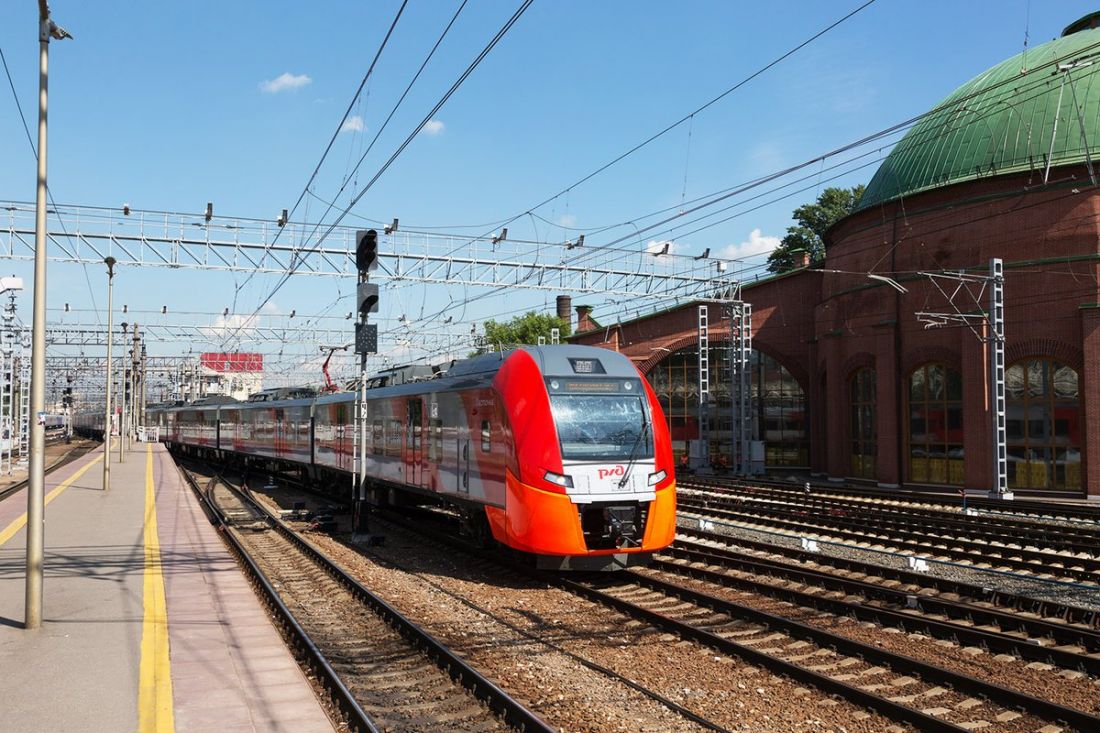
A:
x,y
560,452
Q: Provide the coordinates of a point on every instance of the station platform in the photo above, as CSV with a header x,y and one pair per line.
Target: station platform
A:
x,y
148,624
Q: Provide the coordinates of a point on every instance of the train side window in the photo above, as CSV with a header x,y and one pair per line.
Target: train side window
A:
x,y
376,437
435,440
414,427
393,437
486,435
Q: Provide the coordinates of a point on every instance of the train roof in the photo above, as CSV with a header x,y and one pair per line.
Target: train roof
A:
x,y
560,360
574,359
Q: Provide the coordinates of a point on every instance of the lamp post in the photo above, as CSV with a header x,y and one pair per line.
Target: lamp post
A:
x,y
36,470
110,262
122,402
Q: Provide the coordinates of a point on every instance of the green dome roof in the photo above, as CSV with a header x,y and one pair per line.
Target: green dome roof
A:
x,y
1021,115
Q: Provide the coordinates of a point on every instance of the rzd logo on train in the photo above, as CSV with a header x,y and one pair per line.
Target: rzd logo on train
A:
x,y
610,472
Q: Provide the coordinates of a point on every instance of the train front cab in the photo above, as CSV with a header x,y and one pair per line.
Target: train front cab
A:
x,y
593,486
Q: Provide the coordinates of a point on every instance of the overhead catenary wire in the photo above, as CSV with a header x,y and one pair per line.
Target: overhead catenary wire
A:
x,y
686,117
340,125
1008,85
385,166
702,107
49,192
332,204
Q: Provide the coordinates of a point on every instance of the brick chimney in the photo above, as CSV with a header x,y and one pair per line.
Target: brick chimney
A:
x,y
585,321
565,309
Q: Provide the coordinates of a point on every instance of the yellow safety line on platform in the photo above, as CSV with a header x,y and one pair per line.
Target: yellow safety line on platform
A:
x,y
155,711
18,524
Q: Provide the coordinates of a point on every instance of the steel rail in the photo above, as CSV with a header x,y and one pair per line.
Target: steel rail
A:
x,y
1001,642
893,710
356,717
524,571
916,541
1054,536
64,461
969,685
513,712
1068,614
1035,507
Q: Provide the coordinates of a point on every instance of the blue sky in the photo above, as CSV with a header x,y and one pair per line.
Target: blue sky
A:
x,y
169,105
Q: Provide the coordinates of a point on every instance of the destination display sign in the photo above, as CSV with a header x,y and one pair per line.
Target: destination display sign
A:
x,y
587,366
591,385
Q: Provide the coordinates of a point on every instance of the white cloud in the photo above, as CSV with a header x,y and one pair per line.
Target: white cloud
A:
x,y
234,325
567,220
352,124
756,245
284,82
658,248
433,127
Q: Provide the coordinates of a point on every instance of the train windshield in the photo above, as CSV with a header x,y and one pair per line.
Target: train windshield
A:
x,y
602,427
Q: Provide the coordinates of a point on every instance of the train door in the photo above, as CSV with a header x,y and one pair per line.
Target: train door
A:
x,y
414,442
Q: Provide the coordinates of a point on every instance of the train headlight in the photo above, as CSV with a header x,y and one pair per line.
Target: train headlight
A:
x,y
656,478
565,482
628,386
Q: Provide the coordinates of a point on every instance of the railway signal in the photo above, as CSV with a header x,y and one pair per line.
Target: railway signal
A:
x,y
366,252
366,342
368,298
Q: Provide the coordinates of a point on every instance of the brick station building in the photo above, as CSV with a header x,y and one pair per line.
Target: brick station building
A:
x,y
848,383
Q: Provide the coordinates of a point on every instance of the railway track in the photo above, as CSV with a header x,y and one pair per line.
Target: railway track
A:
x,y
922,584
911,691
1018,507
991,528
511,575
929,697
902,537
382,671
1000,632
905,689
69,457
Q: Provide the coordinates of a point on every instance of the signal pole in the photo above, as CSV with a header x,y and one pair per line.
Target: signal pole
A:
x,y
110,262
36,491
366,342
122,401
135,355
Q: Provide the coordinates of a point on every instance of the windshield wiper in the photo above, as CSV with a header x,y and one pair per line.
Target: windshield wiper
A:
x,y
631,460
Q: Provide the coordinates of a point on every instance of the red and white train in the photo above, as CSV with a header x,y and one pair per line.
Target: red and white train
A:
x,y
561,452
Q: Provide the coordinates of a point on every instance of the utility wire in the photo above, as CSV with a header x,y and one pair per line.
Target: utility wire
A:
x,y
454,87
49,193
382,128
336,132
696,111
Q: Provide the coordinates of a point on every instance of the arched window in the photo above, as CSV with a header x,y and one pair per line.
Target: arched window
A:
x,y
778,400
781,413
935,425
1044,425
862,425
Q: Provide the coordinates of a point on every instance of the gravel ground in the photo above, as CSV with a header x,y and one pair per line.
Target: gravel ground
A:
x,y
1039,680
1082,595
531,639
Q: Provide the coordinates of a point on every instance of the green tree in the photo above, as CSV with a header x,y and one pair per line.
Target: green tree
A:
x,y
812,220
524,329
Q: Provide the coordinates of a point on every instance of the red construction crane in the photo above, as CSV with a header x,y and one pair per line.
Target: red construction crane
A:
x,y
331,386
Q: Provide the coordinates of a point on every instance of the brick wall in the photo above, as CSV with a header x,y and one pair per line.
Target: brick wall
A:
x,y
824,323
